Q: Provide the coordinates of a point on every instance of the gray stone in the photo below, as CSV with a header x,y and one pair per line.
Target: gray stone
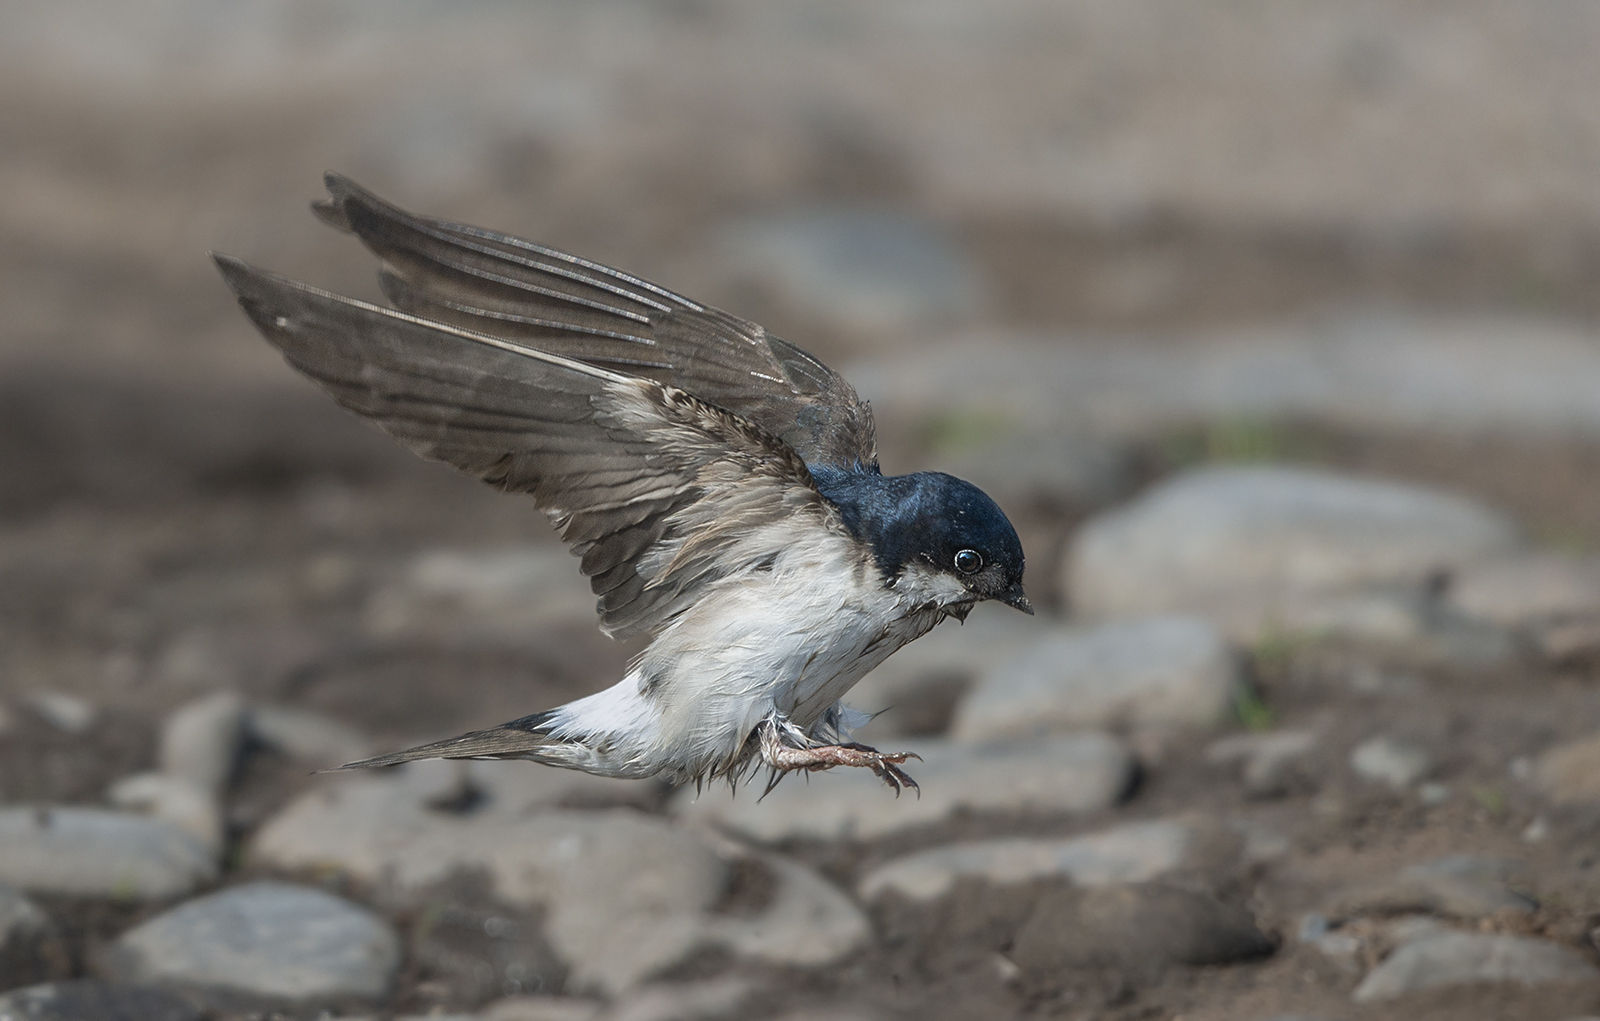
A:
x,y
1155,672
269,940
1460,958
862,269
1390,760
1136,928
1529,589
707,1000
1268,759
94,1000
627,894
174,799
90,852
63,711
1569,773
501,595
1079,773
1236,543
201,741
304,736
915,691
1131,853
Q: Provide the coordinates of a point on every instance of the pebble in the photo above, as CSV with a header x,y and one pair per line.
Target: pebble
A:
x,y
1233,543
915,691
1460,958
1136,928
1154,672
687,1001
270,940
91,852
1570,773
174,799
309,738
1132,853
860,269
1077,773
1268,759
1462,885
1389,760
94,1000
62,711
200,742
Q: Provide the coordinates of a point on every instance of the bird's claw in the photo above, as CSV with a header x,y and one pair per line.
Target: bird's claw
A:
x,y
886,765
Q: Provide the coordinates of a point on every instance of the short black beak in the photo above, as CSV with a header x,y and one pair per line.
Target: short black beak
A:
x,y
1014,598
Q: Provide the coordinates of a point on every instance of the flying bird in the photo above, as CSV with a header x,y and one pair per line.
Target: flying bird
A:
x,y
720,486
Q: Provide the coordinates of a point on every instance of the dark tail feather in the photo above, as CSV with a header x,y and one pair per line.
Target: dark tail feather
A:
x,y
519,739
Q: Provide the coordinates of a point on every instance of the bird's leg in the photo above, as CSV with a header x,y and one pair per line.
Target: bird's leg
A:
x,y
786,748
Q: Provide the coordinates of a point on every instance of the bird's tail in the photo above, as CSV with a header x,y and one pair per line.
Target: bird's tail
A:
x,y
527,738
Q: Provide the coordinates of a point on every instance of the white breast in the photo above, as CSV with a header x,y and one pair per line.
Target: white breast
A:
x,y
792,638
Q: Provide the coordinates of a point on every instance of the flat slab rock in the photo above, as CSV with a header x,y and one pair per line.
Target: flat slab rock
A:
x,y
1460,958
1079,773
91,852
272,940
1156,672
94,1000
1235,542
1462,885
1124,854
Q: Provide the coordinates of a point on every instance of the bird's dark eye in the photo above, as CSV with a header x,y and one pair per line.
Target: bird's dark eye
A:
x,y
968,561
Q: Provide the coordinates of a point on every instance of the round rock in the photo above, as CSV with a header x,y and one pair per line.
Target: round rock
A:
x,y
89,852
271,940
1388,760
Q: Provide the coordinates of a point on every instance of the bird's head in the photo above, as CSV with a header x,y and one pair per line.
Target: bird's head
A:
x,y
969,538
936,535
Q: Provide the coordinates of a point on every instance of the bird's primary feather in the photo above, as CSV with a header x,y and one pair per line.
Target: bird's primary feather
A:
x,y
492,283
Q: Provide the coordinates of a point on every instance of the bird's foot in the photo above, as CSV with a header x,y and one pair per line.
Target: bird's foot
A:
x,y
786,758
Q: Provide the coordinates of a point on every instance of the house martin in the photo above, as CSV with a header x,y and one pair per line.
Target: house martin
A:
x,y
719,485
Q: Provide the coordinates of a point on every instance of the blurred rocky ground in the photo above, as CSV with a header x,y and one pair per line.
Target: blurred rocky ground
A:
x,y
1273,326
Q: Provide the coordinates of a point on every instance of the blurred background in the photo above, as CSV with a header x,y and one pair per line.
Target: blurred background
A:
x,y
1120,263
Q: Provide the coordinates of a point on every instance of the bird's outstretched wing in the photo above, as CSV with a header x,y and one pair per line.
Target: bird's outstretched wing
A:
x,y
530,295
658,491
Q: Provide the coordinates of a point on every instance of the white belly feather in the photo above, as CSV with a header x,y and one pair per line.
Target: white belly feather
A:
x,y
790,639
